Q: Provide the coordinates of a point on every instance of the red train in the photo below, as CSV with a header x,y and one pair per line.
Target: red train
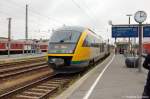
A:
x,y
23,46
146,46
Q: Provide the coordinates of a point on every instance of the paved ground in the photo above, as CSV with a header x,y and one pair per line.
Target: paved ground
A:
x,y
117,82
19,56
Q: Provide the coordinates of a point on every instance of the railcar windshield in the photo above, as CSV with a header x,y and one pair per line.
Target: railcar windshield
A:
x,y
65,36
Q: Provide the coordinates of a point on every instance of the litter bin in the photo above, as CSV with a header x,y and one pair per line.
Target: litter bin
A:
x,y
131,62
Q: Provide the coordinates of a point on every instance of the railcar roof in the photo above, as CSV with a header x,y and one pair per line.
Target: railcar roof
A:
x,y
76,28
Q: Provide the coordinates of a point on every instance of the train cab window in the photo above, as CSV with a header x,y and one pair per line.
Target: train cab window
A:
x,y
65,36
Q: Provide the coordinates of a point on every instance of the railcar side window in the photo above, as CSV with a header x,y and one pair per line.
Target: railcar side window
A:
x,y
7,45
102,47
91,41
87,42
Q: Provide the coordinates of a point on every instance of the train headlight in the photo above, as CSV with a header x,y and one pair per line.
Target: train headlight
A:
x,y
53,59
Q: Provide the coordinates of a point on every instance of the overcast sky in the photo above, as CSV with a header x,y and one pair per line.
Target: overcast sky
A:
x,y
47,14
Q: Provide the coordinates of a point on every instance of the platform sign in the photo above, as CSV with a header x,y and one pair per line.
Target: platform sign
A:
x,y
124,31
146,31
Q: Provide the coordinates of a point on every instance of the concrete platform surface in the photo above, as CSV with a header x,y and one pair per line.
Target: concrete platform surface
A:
x,y
5,58
115,81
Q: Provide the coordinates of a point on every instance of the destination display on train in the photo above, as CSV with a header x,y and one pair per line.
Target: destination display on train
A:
x,y
129,31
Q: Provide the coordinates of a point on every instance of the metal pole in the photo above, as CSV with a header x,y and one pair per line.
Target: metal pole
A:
x,y
130,19
129,37
26,26
108,46
129,15
116,45
140,47
9,35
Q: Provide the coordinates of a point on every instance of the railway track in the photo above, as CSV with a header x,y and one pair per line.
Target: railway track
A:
x,y
15,70
11,69
21,62
40,89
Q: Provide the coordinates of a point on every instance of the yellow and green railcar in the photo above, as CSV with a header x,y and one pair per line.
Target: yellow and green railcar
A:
x,y
72,49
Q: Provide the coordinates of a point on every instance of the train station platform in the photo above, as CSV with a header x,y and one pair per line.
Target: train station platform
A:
x,y
109,80
5,58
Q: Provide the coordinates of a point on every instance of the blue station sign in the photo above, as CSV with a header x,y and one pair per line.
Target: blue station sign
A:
x,y
122,31
146,31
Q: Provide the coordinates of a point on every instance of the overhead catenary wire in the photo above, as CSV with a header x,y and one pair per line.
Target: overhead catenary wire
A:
x,y
44,17
33,22
89,10
77,5
35,12
95,17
